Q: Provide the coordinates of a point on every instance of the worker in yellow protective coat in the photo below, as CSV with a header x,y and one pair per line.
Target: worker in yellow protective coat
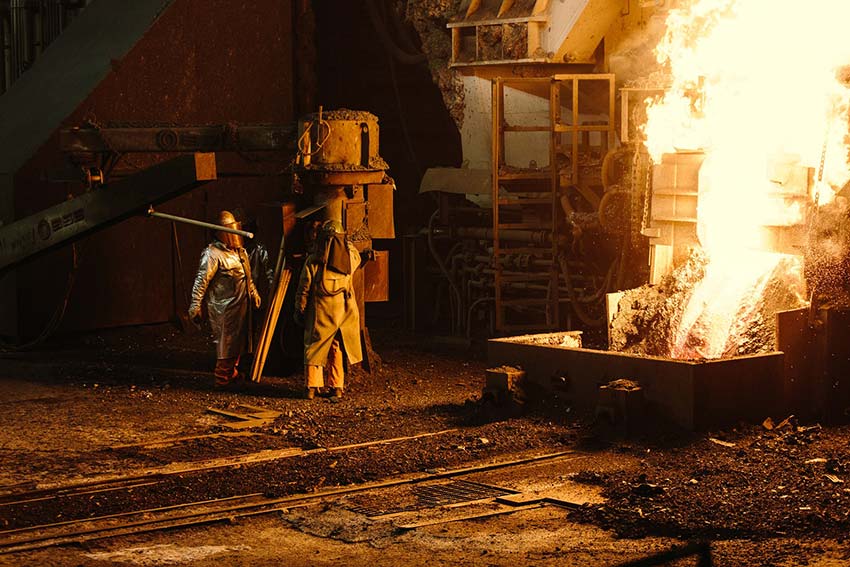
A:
x,y
326,306
224,281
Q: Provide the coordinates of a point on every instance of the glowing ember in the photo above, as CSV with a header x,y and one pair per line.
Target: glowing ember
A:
x,y
755,83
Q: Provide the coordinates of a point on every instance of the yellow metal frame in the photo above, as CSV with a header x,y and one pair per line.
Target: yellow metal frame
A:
x,y
555,128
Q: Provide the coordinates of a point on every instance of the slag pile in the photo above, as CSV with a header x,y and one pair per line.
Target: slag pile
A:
x,y
655,321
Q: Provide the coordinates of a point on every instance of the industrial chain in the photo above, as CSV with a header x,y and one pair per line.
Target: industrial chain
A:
x,y
823,154
821,167
813,302
360,235
633,187
644,223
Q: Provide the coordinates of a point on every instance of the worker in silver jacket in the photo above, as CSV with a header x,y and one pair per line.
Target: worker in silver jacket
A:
x,y
326,306
224,279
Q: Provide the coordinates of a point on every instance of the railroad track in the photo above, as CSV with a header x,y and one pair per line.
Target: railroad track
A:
x,y
197,513
152,476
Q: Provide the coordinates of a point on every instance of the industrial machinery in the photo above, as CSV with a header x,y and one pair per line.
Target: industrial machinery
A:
x,y
338,170
336,173
550,239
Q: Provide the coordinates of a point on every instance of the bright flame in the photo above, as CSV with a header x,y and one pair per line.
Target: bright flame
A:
x,y
756,85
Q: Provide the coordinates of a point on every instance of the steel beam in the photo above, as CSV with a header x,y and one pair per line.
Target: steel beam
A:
x,y
102,207
251,138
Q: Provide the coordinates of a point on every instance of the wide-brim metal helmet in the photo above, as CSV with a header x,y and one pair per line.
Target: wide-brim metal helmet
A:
x,y
331,227
233,241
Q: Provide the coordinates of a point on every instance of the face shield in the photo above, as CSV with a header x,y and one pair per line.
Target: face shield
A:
x,y
332,241
232,241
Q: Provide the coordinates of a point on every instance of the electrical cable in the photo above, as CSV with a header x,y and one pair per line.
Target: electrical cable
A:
x,y
179,258
470,311
442,266
56,320
586,318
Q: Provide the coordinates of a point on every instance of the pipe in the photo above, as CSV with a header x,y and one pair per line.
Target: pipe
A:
x,y
7,53
540,237
574,300
469,313
202,224
37,36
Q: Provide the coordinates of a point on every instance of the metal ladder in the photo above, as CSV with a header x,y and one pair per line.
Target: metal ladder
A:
x,y
526,201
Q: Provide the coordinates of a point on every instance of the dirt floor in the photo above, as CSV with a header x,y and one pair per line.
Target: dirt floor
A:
x,y
377,475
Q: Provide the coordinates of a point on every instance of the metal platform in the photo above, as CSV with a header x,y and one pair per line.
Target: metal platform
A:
x,y
693,394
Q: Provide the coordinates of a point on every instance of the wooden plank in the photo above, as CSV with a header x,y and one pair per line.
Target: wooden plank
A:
x,y
530,175
509,128
272,315
582,128
226,413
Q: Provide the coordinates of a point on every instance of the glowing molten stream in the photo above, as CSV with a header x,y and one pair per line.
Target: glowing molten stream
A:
x,y
729,299
754,83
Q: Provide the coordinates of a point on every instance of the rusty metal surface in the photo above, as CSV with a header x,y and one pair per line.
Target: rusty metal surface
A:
x,y
343,137
796,338
193,66
377,278
340,178
178,138
355,219
694,395
817,362
381,220
835,390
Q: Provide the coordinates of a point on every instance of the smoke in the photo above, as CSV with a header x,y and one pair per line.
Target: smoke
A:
x,y
633,59
828,256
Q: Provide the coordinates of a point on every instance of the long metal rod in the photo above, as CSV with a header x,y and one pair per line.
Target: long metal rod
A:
x,y
166,216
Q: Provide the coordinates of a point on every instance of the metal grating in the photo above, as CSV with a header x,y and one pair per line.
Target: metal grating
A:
x,y
430,496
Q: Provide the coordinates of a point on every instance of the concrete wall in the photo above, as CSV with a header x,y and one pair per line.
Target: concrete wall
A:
x,y
202,61
521,109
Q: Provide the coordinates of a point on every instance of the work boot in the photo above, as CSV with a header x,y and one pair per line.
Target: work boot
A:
x,y
336,393
310,393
